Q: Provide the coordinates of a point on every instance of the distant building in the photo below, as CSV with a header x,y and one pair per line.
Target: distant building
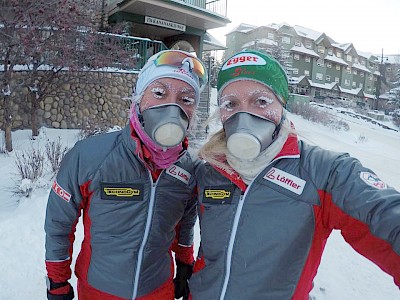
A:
x,y
317,65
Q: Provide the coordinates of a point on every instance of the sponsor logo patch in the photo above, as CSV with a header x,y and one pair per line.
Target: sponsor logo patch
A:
x,y
286,180
244,59
121,191
179,173
373,180
62,193
218,195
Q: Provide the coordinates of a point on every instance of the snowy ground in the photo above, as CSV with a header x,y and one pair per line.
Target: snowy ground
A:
x,y
343,273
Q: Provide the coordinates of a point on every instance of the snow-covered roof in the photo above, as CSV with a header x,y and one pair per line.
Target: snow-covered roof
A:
x,y
367,55
361,67
336,59
263,41
244,28
377,73
304,50
297,80
307,33
355,92
326,86
369,95
343,46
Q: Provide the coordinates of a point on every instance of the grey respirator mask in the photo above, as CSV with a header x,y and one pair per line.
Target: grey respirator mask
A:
x,y
165,124
247,135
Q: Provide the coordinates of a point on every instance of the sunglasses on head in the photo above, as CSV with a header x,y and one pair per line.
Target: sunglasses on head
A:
x,y
177,58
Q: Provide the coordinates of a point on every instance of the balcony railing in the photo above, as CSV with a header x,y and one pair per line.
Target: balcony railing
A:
x,y
215,6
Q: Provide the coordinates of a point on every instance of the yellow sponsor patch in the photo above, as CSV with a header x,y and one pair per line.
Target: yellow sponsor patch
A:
x,y
121,192
217,194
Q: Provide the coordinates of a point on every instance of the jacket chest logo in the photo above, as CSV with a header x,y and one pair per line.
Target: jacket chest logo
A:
x,y
179,173
218,195
121,191
286,180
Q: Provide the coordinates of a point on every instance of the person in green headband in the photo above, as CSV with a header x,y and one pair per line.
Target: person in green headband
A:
x,y
268,201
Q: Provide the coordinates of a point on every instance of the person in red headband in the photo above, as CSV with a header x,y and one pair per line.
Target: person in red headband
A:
x,y
136,191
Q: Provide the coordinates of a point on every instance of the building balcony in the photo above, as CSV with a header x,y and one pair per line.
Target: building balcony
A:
x,y
198,14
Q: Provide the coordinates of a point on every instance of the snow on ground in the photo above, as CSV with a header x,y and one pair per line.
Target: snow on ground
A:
x,y
343,273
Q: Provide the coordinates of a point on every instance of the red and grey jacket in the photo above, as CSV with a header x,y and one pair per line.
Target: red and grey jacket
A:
x,y
129,221
265,240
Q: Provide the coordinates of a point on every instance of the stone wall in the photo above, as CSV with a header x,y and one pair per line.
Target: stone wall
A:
x,y
79,100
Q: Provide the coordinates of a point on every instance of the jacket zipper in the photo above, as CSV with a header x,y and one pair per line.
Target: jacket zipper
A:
x,y
231,243
234,230
146,235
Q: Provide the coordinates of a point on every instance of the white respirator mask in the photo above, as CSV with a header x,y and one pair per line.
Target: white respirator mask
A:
x,y
165,124
247,135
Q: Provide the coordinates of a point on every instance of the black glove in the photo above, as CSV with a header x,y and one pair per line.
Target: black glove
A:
x,y
183,274
69,296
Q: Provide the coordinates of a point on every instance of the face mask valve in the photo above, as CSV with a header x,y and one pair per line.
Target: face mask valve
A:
x,y
247,135
166,124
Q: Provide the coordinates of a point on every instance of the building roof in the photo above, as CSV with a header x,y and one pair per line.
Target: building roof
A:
x,y
242,27
325,86
361,67
304,50
356,92
336,59
307,33
263,41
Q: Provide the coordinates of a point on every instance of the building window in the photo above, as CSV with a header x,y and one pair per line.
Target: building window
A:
x,y
374,89
328,78
338,67
297,43
360,85
339,54
347,82
295,71
321,49
306,72
307,59
354,71
320,62
270,35
296,56
354,84
337,79
375,78
370,77
286,40
349,58
362,74
348,70
389,69
363,63
308,45
356,60
319,76
328,65
369,89
330,52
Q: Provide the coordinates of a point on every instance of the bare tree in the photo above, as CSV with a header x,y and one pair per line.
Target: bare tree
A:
x,y
48,37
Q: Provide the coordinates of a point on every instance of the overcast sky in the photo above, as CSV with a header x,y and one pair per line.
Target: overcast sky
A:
x,y
370,25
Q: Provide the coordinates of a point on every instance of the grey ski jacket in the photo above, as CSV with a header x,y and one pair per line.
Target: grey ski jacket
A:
x,y
129,221
265,240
